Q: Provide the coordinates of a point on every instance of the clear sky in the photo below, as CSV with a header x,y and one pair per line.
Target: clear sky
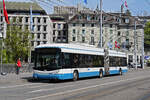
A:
x,y
137,7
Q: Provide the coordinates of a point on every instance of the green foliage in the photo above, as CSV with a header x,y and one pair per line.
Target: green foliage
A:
x,y
147,34
16,44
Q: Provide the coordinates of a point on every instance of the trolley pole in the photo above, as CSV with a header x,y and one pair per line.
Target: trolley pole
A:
x,y
1,38
101,29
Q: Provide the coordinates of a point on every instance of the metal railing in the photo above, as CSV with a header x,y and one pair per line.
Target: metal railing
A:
x,y
11,68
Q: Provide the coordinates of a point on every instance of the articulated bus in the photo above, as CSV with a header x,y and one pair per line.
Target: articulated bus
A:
x,y
70,61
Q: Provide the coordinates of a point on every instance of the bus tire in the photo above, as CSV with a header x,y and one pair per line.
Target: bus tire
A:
x,y
120,71
101,73
75,75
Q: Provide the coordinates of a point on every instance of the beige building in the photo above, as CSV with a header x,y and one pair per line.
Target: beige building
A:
x,y
19,14
84,28
59,29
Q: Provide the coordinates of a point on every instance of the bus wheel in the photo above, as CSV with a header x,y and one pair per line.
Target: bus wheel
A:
x,y
75,76
100,73
120,71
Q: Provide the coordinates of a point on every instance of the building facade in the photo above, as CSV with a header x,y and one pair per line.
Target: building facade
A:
x,y
59,29
19,14
118,29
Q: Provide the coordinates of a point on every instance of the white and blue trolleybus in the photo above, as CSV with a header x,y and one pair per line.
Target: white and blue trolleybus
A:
x,y
70,61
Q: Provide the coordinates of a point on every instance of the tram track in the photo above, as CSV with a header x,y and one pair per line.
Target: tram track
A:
x,y
90,94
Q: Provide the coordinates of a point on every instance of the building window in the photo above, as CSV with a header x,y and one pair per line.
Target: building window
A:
x,y
33,20
54,25
53,39
54,32
74,31
92,25
39,20
104,17
14,19
32,43
39,28
38,42
83,25
80,17
64,26
127,41
83,31
92,40
126,20
59,33
45,27
44,20
92,31
64,38
88,18
83,39
73,38
1,18
33,28
44,42
119,33
59,26
111,31
127,33
38,35
44,36
26,19
111,25
64,33
74,24
20,19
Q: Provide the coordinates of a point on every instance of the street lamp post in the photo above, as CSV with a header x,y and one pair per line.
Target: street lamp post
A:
x,y
143,48
1,38
101,30
135,46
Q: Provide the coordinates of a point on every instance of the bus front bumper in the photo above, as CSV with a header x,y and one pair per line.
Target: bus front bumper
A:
x,y
46,76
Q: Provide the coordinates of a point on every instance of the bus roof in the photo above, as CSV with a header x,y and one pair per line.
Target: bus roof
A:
x,y
80,49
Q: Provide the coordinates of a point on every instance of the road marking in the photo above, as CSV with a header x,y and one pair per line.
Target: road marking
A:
x,y
41,90
40,86
19,85
85,88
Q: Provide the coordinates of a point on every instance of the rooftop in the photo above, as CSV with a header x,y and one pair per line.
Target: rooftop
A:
x,y
22,6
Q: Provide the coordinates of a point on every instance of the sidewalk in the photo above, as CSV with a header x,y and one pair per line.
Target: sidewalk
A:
x,y
23,77
12,77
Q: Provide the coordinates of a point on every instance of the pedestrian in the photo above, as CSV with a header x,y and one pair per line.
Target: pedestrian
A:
x,y
18,66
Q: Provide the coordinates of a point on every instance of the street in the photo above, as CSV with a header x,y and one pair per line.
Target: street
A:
x,y
134,85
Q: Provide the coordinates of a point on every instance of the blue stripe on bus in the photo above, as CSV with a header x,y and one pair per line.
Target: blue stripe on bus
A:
x,y
70,75
88,74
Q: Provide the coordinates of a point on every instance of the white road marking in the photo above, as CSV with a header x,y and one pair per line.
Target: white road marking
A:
x,y
85,88
19,85
49,89
40,86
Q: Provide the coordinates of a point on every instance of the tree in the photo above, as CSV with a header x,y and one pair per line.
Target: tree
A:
x,y
147,34
16,44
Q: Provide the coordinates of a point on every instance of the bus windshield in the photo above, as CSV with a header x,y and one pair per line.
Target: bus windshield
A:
x,y
47,59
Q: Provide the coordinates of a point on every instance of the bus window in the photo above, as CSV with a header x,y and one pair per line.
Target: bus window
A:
x,y
66,60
